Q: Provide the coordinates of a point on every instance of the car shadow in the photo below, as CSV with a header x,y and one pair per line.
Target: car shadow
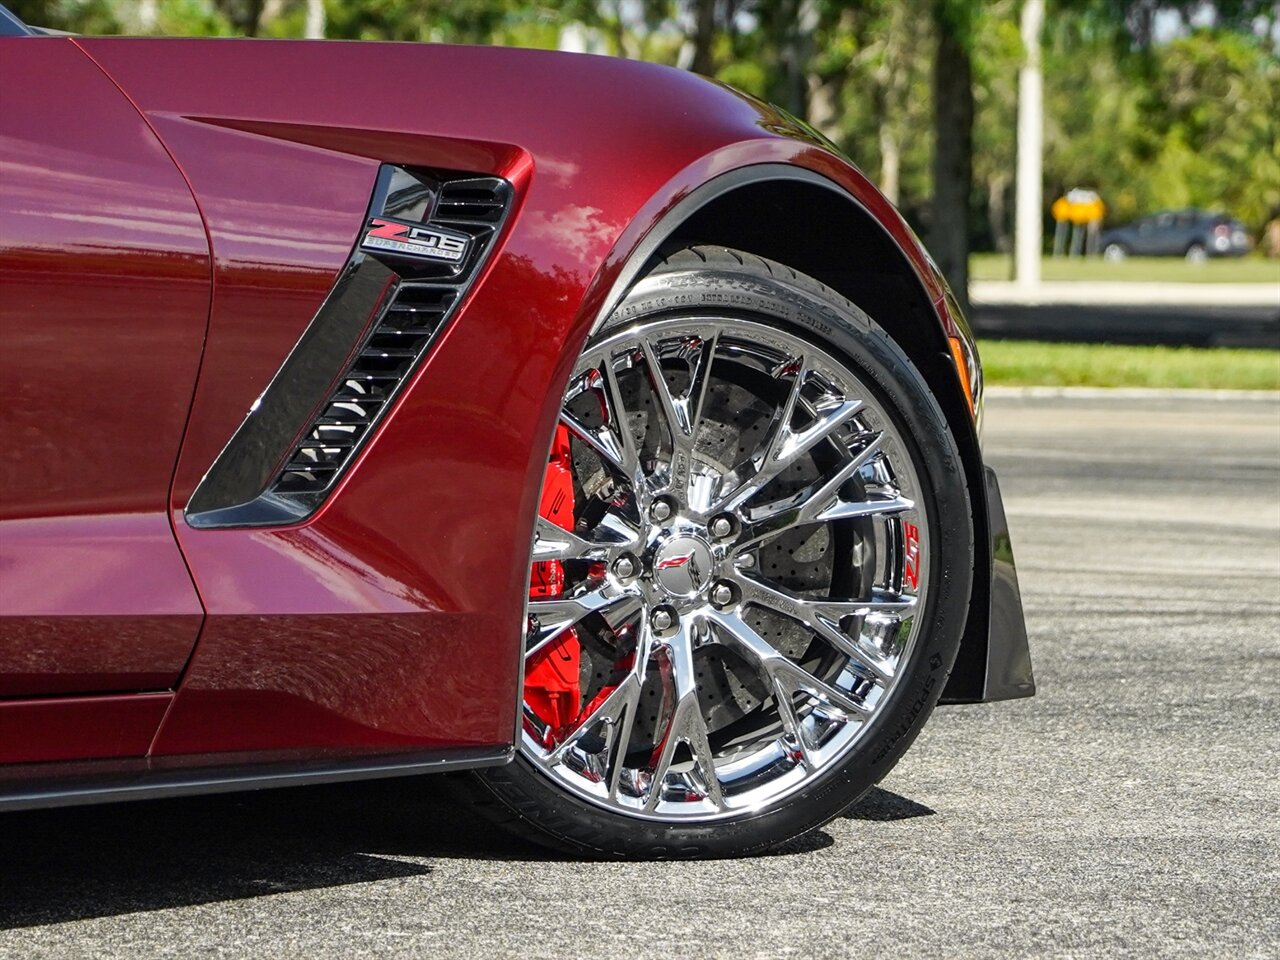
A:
x,y
884,805
79,863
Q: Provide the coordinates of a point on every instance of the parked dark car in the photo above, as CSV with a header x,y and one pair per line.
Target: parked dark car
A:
x,y
1194,234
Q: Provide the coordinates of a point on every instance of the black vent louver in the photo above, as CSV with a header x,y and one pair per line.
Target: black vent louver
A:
x,y
409,301
470,202
398,342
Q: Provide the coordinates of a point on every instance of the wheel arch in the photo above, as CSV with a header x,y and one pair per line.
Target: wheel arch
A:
x,y
793,216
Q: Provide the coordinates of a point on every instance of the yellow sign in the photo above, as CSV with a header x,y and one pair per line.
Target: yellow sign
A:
x,y
1078,206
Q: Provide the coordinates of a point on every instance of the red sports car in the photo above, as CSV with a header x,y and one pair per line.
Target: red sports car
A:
x,y
575,423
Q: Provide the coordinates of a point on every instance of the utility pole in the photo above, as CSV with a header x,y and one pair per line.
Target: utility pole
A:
x,y
314,26
1028,218
148,15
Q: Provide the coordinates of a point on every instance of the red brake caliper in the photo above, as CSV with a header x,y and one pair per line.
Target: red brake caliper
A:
x,y
551,686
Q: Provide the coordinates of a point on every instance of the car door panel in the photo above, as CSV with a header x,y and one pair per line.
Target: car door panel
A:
x,y
1142,236
104,299
51,729
1165,236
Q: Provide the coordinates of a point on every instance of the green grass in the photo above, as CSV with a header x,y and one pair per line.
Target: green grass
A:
x,y
1032,363
1251,269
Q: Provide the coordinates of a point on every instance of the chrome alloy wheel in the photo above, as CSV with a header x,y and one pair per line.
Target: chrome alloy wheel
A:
x,y
747,558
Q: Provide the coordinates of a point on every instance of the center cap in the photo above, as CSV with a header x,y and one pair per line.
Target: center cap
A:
x,y
682,566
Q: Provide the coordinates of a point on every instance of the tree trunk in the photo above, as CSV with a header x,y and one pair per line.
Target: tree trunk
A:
x,y
825,94
797,22
952,157
253,18
824,105
998,211
620,33
892,80
704,36
890,161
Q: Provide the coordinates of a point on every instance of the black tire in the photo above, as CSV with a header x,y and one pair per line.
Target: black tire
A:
x,y
724,281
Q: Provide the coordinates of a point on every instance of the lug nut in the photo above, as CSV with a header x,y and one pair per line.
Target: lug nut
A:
x,y
721,527
660,511
624,568
722,594
662,619
745,562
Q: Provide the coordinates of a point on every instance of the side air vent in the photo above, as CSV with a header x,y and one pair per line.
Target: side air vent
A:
x,y
470,201
400,339
426,238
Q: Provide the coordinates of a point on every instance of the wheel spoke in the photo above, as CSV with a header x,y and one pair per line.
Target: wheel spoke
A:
x,y
642,658
810,502
617,712
554,617
681,414
617,708
618,417
685,725
785,518
617,750
791,724
775,668
552,542
829,492
792,444
846,510
823,616
784,444
612,440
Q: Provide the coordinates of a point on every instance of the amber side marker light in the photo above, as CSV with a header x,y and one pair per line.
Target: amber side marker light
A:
x,y
962,371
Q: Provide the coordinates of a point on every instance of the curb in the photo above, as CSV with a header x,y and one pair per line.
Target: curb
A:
x,y
1128,393
1116,293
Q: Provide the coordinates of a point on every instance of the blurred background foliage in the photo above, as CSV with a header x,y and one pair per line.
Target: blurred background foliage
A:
x,y
1154,104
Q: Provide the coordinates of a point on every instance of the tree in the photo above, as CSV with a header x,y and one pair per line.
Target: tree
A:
x,y
458,21
1185,122
952,142
704,36
78,16
920,93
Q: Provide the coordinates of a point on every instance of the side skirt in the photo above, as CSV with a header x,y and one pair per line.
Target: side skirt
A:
x,y
30,787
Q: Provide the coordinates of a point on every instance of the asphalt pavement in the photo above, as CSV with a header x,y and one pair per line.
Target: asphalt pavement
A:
x,y
1131,809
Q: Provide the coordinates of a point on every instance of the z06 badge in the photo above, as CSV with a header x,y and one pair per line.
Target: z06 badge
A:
x,y
415,240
